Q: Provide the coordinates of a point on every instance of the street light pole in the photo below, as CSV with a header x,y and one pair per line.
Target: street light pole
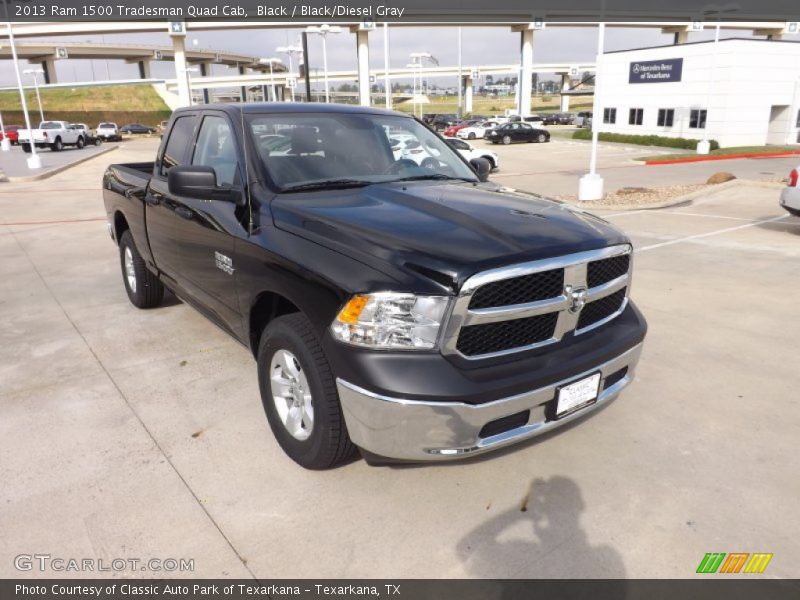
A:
x,y
290,51
323,31
189,72
271,62
35,74
34,161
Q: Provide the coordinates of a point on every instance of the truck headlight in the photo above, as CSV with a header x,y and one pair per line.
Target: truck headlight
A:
x,y
390,320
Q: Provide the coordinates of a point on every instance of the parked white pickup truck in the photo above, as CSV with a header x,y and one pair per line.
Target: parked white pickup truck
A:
x,y
52,134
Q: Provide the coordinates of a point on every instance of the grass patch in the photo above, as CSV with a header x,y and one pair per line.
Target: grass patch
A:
x,y
489,106
643,140
120,104
725,151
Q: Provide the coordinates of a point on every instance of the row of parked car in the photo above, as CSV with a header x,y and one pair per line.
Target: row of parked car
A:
x,y
56,135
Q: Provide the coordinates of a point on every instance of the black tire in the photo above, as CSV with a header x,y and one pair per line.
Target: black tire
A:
x,y
471,136
26,148
506,140
328,443
148,291
57,146
541,138
98,142
79,144
490,160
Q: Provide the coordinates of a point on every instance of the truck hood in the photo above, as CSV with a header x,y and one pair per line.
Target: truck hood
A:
x,y
444,231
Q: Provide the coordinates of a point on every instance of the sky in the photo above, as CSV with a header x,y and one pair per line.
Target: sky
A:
x,y
480,45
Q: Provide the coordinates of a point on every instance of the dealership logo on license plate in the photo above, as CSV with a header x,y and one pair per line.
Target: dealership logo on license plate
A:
x,y
577,395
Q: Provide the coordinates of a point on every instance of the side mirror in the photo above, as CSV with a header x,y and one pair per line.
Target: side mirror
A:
x,y
482,167
200,182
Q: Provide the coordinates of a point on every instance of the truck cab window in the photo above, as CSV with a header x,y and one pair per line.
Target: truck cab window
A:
x,y
215,148
298,150
179,139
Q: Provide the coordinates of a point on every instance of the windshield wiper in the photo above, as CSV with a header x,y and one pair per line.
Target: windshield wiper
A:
x,y
328,184
432,176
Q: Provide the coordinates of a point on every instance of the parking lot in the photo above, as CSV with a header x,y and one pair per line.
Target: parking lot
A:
x,y
128,433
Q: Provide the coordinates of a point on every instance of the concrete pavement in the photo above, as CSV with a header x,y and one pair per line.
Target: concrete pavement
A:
x,y
128,433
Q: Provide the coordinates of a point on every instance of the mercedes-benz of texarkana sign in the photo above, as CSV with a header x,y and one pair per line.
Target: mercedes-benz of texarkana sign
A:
x,y
413,311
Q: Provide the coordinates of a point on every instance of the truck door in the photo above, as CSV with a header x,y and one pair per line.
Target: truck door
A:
x,y
206,230
162,222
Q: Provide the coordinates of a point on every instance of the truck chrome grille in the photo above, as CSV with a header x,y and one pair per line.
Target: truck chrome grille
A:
x,y
519,290
528,305
596,311
602,271
504,335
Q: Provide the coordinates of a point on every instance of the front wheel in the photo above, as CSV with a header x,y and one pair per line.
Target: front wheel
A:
x,y
506,140
541,138
471,136
143,287
299,395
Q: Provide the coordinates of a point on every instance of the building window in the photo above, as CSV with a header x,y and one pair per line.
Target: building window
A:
x,y
666,116
798,119
610,115
697,118
635,116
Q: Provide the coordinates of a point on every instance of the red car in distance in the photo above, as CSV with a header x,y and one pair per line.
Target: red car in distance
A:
x,y
11,132
453,129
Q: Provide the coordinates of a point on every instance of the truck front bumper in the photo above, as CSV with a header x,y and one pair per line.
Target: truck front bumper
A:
x,y
418,430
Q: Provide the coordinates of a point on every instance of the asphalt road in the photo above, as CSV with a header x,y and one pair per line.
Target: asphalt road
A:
x,y
128,433
14,162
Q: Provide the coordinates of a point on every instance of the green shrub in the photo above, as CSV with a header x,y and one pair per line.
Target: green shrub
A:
x,y
643,140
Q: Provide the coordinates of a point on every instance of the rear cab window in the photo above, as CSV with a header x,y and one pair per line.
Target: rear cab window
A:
x,y
180,140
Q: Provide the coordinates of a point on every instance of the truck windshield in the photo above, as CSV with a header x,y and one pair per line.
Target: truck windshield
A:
x,y
307,151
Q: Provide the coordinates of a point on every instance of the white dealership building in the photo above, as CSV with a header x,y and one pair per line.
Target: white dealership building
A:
x,y
740,92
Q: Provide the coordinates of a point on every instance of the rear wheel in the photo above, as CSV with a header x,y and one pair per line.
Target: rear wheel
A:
x,y
143,287
299,395
79,143
26,148
57,146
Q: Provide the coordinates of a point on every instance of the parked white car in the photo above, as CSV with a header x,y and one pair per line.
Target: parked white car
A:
x,y
109,132
478,131
51,134
468,151
406,145
790,196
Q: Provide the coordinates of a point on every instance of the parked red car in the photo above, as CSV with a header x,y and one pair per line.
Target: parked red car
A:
x,y
11,132
453,129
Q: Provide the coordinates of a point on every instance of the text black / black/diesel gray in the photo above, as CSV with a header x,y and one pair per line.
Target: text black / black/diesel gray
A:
x,y
394,300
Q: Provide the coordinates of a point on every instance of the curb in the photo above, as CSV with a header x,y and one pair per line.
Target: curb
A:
x,y
692,159
686,198
56,170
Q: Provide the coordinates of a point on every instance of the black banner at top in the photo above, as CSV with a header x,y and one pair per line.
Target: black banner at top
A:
x,y
538,12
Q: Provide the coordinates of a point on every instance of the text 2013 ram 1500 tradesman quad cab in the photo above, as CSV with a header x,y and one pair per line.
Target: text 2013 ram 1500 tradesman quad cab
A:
x,y
417,313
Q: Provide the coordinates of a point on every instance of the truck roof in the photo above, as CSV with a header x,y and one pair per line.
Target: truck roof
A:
x,y
235,108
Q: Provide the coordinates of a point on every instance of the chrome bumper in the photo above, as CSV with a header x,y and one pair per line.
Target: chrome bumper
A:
x,y
418,430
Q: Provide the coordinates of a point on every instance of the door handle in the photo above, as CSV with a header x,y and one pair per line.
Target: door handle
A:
x,y
184,213
152,200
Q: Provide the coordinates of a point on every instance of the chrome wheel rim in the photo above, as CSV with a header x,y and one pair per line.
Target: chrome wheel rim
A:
x,y
130,274
291,395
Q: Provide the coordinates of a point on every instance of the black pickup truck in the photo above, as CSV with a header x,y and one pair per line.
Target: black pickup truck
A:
x,y
412,312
